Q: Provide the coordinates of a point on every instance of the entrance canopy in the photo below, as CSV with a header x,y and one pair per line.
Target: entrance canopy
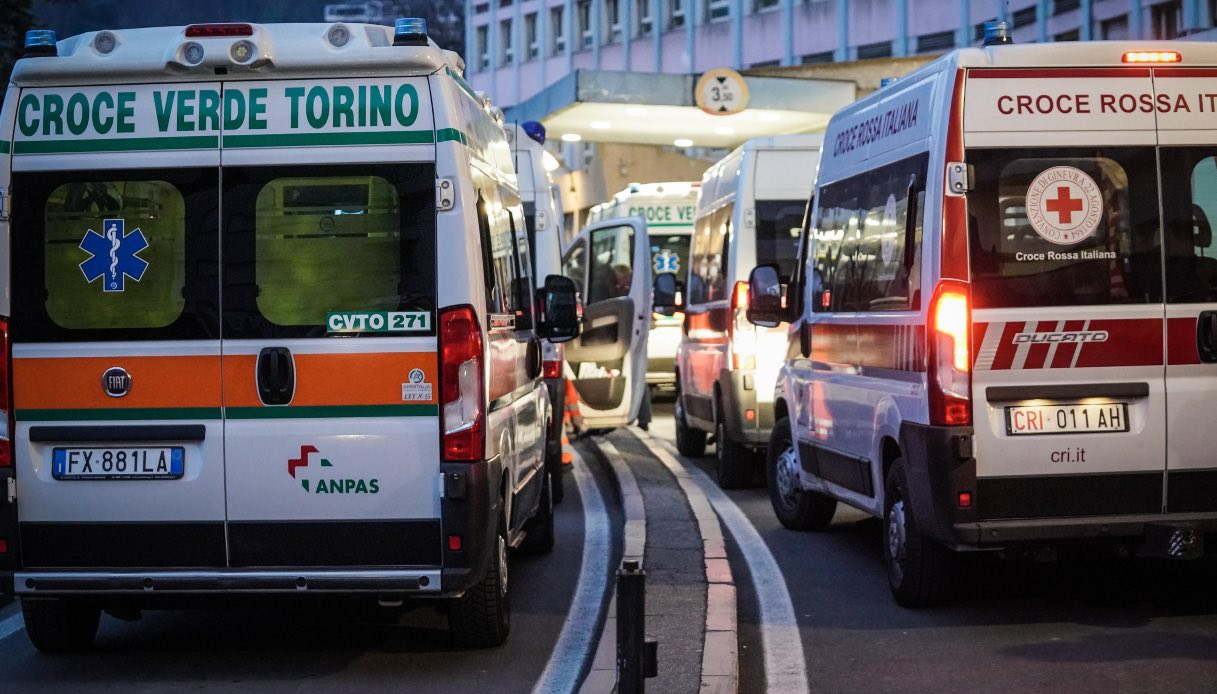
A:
x,y
659,109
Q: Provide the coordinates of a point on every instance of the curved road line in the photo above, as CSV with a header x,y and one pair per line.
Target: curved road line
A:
x,y
577,641
785,667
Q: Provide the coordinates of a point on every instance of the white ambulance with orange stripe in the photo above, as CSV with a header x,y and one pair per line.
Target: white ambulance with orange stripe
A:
x,y
269,327
1005,334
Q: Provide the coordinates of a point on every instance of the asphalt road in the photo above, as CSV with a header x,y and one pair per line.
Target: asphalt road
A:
x,y
306,647
1080,625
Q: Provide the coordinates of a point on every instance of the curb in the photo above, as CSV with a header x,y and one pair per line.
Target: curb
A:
x,y
602,678
720,646
720,653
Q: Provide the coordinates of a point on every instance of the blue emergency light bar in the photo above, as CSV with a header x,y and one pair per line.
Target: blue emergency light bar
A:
x,y
41,42
410,31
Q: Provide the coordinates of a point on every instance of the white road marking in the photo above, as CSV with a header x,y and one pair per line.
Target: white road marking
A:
x,y
577,642
785,668
11,625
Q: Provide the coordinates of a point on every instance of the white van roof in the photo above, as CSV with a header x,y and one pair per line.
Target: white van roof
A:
x,y
157,54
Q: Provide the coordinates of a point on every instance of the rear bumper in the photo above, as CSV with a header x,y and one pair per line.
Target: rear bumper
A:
x,y
940,467
51,583
737,388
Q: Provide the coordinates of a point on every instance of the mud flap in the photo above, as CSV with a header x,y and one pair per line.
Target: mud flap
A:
x,y
1173,541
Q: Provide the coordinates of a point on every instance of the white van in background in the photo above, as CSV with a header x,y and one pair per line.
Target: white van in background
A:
x,y
668,210
1005,334
543,222
750,212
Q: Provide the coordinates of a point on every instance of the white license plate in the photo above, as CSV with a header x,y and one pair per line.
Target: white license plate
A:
x,y
1023,420
130,463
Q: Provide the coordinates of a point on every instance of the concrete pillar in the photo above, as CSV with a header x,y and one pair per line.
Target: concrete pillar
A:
x,y
691,15
737,34
900,47
963,36
1136,20
1042,8
1086,21
657,27
788,32
842,52
517,30
627,29
597,24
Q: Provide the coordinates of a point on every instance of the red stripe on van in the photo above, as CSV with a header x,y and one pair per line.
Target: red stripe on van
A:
x,y
1129,343
1041,73
1184,72
1006,349
1037,354
954,260
1063,358
978,339
1181,341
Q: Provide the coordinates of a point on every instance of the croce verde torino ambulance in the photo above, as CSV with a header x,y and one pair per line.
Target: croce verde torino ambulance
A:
x,y
270,327
1005,330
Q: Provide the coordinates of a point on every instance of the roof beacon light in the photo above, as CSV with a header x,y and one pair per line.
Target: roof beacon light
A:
x,y
212,31
1153,57
410,31
40,42
996,34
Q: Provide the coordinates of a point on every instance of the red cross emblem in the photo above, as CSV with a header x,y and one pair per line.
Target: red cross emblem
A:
x,y
1064,205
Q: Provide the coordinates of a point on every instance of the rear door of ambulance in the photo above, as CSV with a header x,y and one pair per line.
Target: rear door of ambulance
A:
x,y
1068,387
1187,135
114,277
329,327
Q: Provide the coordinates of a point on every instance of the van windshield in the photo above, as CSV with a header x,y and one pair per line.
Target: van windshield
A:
x,y
1064,227
779,225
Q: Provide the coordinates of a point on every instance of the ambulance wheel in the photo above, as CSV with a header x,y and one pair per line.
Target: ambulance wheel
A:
x,y
795,507
58,625
918,568
733,462
690,442
540,537
481,618
553,464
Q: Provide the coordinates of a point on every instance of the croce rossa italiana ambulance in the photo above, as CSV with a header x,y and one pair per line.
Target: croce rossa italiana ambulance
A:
x,y
1005,333
269,327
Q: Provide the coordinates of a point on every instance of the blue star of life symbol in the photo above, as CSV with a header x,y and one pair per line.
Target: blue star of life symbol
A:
x,y
113,255
666,261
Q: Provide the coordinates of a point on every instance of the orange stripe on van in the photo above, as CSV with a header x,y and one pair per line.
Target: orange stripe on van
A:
x,y
336,379
156,382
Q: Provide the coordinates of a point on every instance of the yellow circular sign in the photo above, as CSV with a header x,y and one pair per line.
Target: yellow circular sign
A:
x,y
721,92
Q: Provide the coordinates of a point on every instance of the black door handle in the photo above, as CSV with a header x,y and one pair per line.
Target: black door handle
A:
x,y
1206,336
276,377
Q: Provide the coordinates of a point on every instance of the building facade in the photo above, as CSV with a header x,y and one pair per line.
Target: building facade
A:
x,y
516,48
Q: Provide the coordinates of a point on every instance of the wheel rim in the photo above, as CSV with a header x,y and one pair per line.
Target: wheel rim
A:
x,y
896,540
502,551
787,476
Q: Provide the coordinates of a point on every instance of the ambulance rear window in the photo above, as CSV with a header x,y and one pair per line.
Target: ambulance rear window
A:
x,y
1064,227
116,254
779,226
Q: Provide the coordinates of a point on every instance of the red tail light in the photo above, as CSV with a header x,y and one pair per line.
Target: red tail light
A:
x,y
461,386
950,355
6,397
551,368
740,332
206,31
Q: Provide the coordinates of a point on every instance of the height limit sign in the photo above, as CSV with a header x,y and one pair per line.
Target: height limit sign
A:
x,y
721,92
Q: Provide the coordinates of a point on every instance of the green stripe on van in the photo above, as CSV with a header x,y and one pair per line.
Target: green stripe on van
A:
x,y
327,411
118,413
451,134
401,137
5,146
117,144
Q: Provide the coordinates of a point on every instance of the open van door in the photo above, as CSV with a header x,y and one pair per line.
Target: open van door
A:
x,y
610,264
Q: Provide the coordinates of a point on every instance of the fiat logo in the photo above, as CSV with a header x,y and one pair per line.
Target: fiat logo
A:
x,y
116,382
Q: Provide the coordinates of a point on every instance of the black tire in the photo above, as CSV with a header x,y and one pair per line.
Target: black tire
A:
x,y
540,528
481,618
553,463
795,507
733,462
690,442
56,625
919,569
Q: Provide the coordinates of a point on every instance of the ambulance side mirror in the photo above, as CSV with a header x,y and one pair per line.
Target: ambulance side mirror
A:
x,y
766,306
561,311
1202,231
666,294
